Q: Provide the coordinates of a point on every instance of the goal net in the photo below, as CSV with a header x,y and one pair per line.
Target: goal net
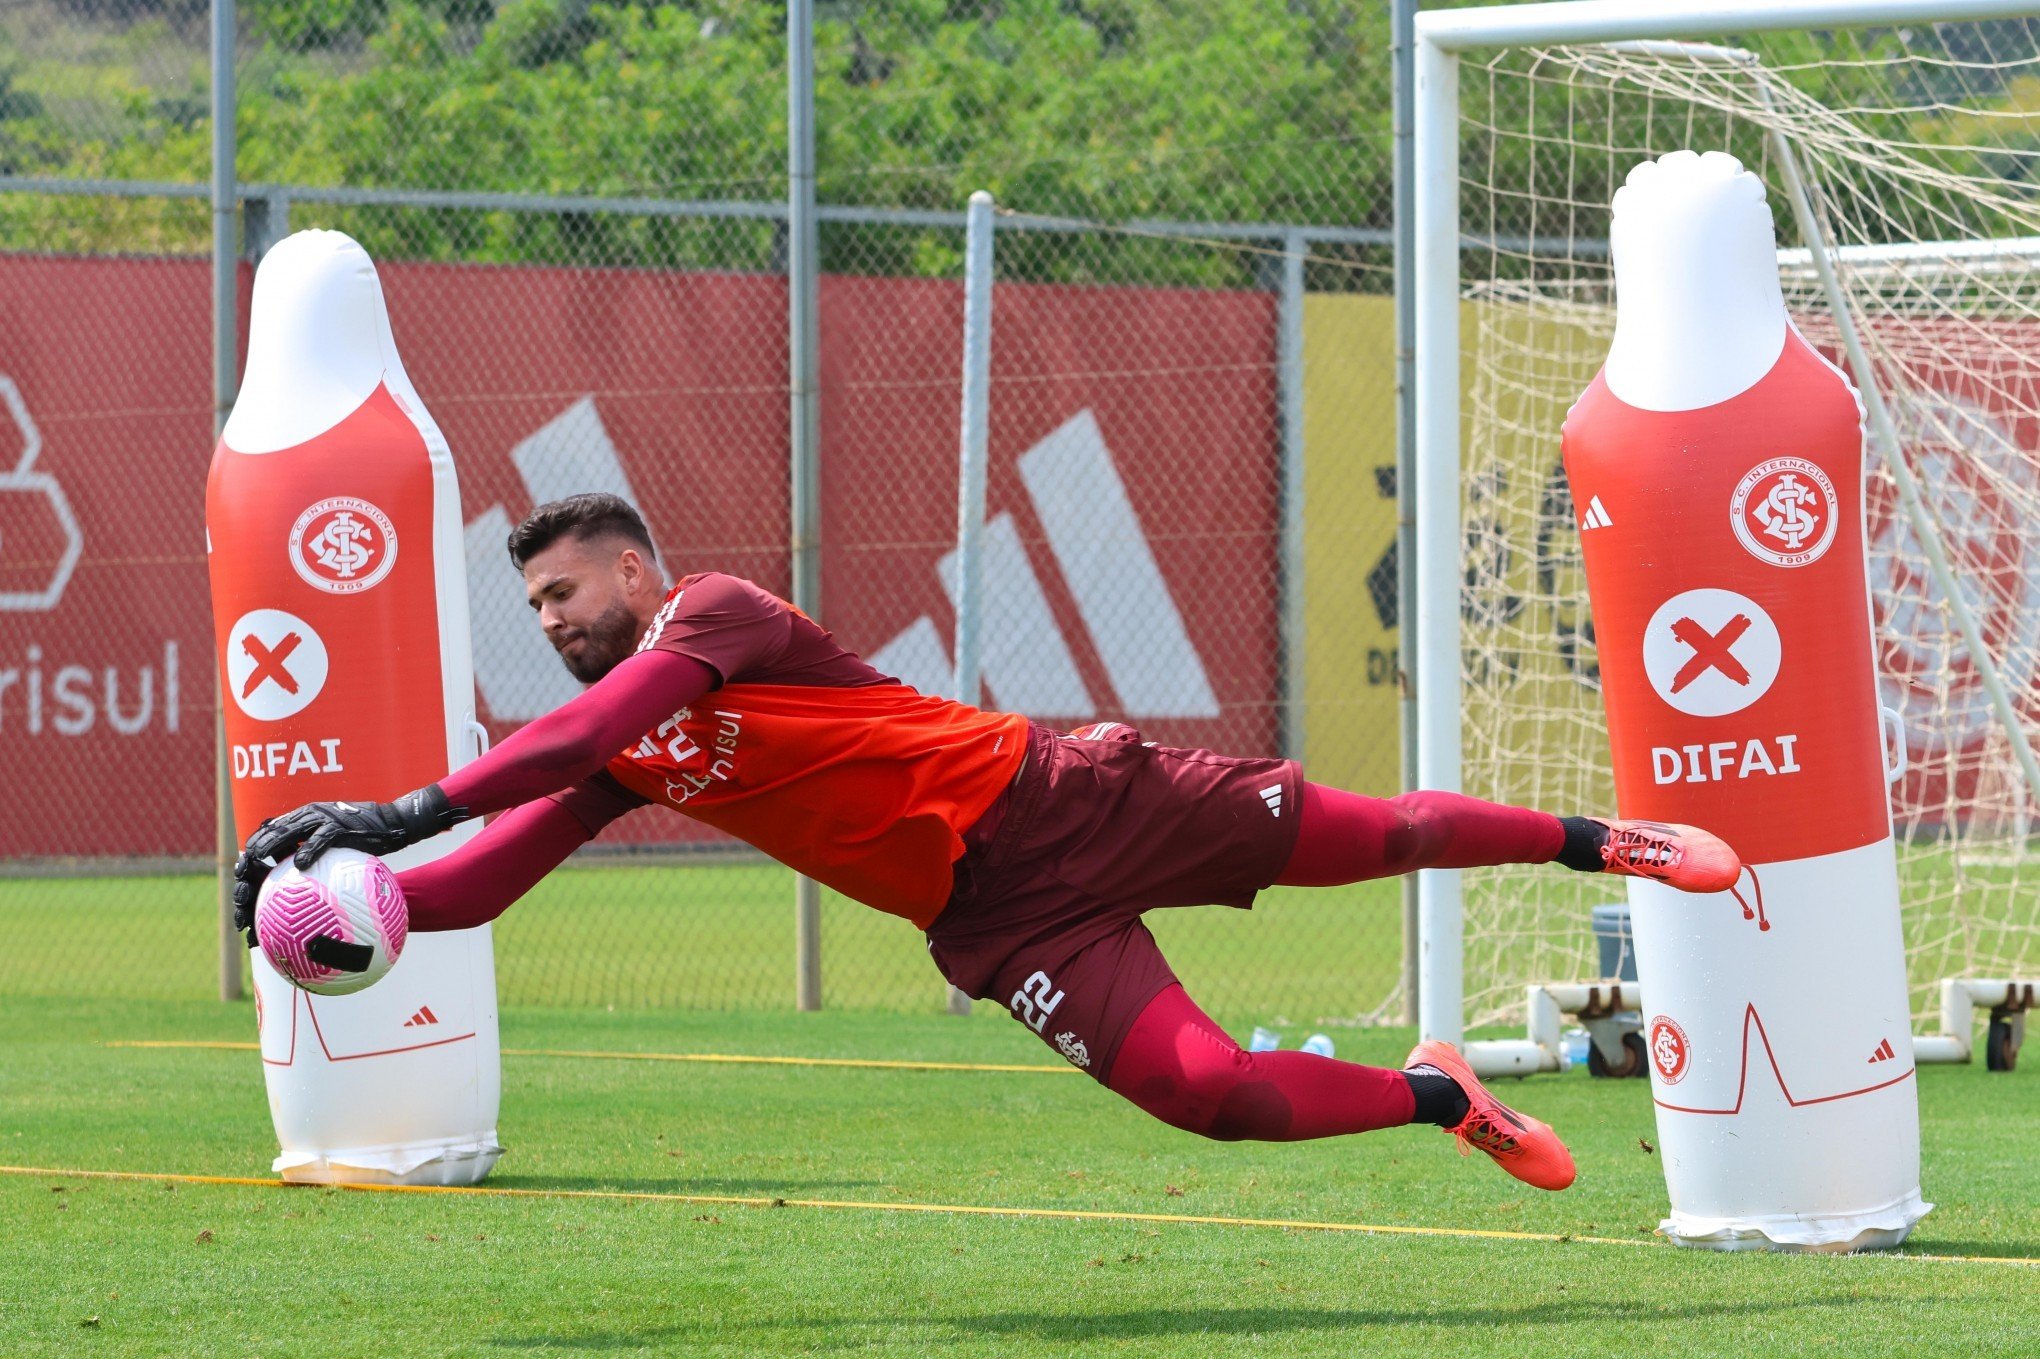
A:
x,y
1919,147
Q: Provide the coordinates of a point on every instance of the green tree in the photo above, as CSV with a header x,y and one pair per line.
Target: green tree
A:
x,y
1266,110
1108,111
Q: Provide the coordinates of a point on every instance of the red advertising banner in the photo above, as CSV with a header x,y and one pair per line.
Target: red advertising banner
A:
x,y
106,688
1132,512
1130,556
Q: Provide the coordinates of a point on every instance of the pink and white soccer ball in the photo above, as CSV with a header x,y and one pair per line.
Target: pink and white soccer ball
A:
x,y
346,897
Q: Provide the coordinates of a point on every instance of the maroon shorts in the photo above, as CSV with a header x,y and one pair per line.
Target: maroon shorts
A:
x,y
1045,916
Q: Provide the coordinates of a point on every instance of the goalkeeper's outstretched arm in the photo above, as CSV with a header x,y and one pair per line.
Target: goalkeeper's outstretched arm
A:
x,y
579,737
559,751
478,882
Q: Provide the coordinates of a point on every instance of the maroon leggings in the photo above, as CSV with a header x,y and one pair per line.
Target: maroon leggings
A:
x,y
1345,837
1182,1068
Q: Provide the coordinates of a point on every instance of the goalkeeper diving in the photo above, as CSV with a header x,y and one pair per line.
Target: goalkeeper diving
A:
x,y
1026,856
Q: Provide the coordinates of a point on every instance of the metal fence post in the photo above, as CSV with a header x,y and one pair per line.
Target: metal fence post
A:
x,y
265,219
971,467
803,267
1289,368
225,275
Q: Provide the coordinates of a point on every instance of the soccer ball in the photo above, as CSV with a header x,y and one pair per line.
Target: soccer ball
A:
x,y
334,928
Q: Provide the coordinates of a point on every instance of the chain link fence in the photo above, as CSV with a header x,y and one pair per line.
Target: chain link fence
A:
x,y
107,707
578,210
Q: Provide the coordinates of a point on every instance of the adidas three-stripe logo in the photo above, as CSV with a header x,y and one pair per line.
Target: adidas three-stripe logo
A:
x,y
1884,1052
1596,516
1095,542
1100,552
1272,795
422,1018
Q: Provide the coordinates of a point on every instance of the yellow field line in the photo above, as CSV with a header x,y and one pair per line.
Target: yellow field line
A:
x,y
730,1201
723,1057
982,1211
959,1209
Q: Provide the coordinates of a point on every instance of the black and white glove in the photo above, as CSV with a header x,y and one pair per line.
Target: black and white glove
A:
x,y
306,833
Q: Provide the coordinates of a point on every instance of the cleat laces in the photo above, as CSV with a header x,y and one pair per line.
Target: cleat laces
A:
x,y
1756,883
1634,847
1483,1130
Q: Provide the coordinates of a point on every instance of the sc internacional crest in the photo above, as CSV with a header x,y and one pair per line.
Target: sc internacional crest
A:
x,y
1784,512
343,545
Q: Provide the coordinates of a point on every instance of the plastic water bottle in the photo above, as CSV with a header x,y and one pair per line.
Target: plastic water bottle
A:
x,y
1264,1040
1572,1049
1319,1044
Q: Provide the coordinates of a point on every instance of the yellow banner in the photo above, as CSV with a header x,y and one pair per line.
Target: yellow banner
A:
x,y
1533,710
1350,729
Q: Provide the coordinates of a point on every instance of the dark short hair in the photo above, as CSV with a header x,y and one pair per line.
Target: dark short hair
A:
x,y
593,515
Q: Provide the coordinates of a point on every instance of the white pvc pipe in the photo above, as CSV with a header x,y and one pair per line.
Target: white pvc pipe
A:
x,y
1509,1057
1588,21
1961,997
1958,1019
1940,1049
1573,997
1545,1021
1546,1007
1438,685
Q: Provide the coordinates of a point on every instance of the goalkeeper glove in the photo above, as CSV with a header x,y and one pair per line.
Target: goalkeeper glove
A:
x,y
374,827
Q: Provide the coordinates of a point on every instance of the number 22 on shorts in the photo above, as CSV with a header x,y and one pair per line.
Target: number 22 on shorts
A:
x,y
1035,1001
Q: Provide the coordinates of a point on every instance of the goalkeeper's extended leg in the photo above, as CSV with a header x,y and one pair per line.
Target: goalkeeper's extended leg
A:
x,y
1344,837
1182,1068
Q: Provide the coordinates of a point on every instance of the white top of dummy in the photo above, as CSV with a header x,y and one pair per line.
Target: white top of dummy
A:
x,y
319,343
1698,312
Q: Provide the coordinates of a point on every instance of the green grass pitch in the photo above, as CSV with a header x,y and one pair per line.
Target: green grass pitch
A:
x,y
105,1267
712,936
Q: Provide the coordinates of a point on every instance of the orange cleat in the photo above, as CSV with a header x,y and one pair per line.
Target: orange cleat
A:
x,y
1684,857
1518,1143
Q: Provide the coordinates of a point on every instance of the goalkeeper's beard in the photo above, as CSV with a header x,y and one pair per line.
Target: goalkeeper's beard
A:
x,y
604,644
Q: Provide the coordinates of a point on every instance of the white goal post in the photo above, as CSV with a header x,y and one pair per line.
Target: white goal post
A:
x,y
1909,256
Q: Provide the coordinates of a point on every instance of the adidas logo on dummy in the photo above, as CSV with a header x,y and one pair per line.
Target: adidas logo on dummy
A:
x,y
422,1018
1884,1052
1272,795
1596,516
